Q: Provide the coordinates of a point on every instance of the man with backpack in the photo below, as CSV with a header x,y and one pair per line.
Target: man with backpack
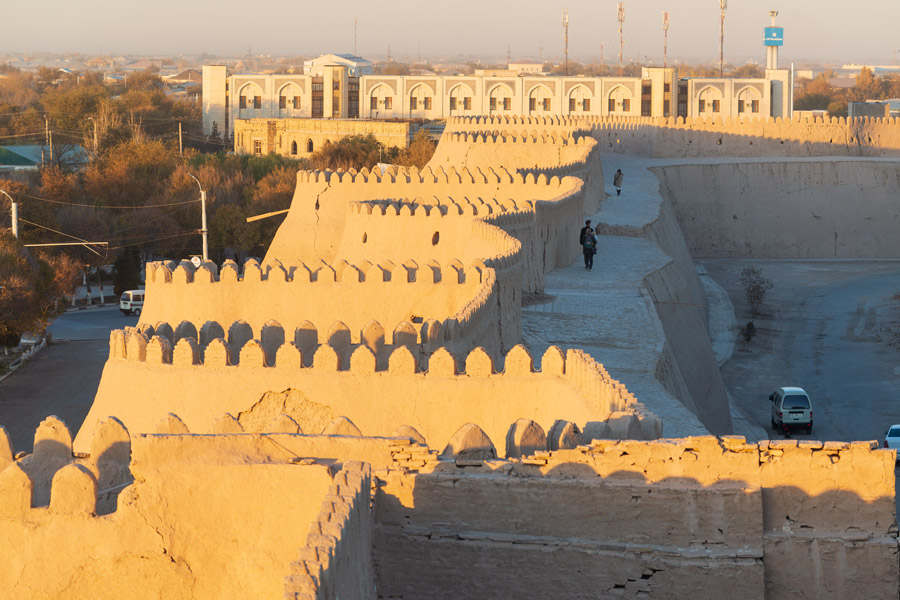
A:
x,y
589,247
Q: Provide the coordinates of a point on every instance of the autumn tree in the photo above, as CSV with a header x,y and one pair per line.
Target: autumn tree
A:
x,y
32,289
419,151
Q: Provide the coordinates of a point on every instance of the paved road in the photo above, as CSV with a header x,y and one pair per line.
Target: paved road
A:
x,y
824,328
62,379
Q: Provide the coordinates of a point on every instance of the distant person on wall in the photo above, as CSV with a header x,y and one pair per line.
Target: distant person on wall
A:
x,y
584,232
617,181
589,247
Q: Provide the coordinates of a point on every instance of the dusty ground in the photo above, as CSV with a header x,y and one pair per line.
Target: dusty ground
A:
x,y
830,327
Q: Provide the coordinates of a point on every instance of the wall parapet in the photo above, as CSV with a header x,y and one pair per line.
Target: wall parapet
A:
x,y
336,561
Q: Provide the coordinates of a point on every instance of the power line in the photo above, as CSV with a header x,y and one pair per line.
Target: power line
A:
x,y
104,206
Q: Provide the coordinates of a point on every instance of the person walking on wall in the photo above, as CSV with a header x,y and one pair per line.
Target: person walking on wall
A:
x,y
589,247
617,181
584,231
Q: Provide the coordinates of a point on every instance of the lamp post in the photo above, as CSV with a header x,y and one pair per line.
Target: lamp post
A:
x,y
14,209
203,209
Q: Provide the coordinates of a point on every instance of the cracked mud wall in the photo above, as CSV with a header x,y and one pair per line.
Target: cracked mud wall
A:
x,y
202,520
696,517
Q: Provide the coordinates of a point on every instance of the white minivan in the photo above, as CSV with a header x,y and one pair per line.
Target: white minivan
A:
x,y
791,409
132,302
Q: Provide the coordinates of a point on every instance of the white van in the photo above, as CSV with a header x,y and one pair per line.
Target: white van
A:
x,y
791,409
132,302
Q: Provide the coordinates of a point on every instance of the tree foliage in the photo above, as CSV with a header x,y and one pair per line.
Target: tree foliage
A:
x,y
32,288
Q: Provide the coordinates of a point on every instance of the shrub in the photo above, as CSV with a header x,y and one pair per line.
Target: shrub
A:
x,y
756,285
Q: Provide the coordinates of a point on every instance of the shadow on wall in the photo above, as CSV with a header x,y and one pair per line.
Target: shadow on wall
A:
x,y
520,530
659,138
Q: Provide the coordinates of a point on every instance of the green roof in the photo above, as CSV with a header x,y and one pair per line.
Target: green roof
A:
x,y
8,157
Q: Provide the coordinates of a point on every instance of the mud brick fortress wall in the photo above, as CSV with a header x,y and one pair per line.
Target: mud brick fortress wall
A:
x,y
343,516
355,416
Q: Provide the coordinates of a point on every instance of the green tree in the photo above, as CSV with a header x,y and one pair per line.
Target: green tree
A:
x,y
837,108
812,102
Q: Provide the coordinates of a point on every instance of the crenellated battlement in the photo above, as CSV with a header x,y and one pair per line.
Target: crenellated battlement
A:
x,y
439,207
488,175
534,137
168,273
54,478
800,136
320,381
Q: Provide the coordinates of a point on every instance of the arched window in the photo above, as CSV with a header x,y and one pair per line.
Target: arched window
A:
x,y
619,100
309,146
293,148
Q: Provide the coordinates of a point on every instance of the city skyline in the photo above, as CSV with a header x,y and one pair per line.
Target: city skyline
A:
x,y
472,29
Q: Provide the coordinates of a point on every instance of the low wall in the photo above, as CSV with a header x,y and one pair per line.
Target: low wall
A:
x,y
668,519
789,209
679,138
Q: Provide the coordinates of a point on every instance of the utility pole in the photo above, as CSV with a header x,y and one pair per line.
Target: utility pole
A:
x,y
723,4
665,39
94,123
50,133
565,24
180,144
14,209
621,15
203,211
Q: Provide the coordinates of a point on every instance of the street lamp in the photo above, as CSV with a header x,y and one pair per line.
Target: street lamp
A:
x,y
203,208
14,209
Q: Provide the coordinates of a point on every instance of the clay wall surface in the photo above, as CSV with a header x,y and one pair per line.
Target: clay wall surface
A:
x,y
790,209
681,306
678,138
315,224
436,402
184,525
667,519
321,294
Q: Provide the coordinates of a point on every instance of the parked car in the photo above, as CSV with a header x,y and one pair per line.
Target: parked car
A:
x,y
791,409
132,302
892,438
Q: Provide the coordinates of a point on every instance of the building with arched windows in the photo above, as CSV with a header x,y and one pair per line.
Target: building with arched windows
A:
x,y
334,90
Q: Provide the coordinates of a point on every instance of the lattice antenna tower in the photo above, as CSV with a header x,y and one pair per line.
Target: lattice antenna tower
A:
x,y
355,39
665,39
723,4
565,24
621,11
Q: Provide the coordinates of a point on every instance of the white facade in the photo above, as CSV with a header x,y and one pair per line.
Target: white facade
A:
x,y
335,93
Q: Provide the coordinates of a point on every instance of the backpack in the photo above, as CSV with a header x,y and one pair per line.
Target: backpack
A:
x,y
588,242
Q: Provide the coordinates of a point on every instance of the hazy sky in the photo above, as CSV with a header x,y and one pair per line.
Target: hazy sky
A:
x,y
826,30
